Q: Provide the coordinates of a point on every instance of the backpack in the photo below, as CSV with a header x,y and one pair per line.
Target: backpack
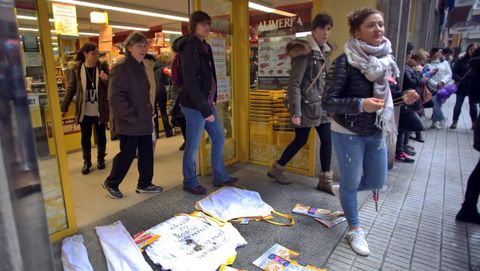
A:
x,y
177,77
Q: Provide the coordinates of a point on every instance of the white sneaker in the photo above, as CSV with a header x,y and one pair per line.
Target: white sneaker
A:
x,y
358,242
336,191
442,123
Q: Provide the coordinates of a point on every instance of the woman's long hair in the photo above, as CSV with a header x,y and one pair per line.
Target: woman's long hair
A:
x,y
86,48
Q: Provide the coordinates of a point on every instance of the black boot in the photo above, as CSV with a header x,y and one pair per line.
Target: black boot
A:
x,y
467,214
101,158
86,167
166,127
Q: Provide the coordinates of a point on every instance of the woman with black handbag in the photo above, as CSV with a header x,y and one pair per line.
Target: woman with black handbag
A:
x,y
305,87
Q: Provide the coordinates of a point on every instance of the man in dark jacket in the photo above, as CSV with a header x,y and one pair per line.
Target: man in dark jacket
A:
x,y
132,113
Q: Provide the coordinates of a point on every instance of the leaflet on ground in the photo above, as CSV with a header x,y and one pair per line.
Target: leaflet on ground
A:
x,y
324,216
279,258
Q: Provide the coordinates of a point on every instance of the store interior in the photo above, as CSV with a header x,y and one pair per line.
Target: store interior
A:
x,y
162,22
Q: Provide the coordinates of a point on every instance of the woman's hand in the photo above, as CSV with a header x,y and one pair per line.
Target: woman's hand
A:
x,y
210,118
371,105
103,76
410,96
296,120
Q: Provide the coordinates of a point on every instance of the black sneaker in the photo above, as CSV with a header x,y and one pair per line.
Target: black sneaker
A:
x,y
409,152
149,189
182,147
114,193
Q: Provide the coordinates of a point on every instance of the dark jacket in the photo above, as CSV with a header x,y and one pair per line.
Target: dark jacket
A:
x,y
307,60
196,72
413,79
162,81
473,79
129,93
344,90
460,68
75,89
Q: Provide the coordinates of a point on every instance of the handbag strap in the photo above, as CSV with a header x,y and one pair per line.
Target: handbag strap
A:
x,y
316,78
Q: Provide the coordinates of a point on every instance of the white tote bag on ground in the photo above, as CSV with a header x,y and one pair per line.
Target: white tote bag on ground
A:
x,y
190,242
231,203
120,250
74,254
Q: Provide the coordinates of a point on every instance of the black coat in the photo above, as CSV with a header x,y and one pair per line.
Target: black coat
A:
x,y
346,86
196,72
460,68
129,93
473,80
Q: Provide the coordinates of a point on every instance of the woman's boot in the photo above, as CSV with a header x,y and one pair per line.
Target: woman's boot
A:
x,y
325,180
277,173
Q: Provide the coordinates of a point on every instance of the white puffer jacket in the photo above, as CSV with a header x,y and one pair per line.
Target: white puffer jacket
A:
x,y
444,73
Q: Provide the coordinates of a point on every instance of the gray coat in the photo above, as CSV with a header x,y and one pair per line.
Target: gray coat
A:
x,y
129,95
307,60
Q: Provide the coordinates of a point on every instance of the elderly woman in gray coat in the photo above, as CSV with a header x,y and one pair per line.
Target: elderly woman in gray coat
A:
x,y
307,80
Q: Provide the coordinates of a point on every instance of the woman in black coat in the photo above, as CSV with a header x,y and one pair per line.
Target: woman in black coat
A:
x,y
469,212
461,69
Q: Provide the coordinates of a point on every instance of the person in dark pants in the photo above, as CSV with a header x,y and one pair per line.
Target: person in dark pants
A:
x,y
89,82
198,96
469,212
178,119
409,120
132,113
162,79
460,73
310,58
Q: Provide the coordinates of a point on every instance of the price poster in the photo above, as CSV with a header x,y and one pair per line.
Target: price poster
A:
x,y
273,62
220,60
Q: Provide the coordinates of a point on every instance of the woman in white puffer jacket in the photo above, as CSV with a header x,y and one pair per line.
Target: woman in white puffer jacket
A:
x,y
439,79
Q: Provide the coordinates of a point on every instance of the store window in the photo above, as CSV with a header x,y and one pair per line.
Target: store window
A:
x,y
220,40
41,117
270,131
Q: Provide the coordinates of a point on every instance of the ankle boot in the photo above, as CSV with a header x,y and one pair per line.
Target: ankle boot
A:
x,y
277,173
454,125
101,164
325,180
86,167
468,214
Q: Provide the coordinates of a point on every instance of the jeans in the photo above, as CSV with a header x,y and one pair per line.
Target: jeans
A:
x,y
86,129
457,110
196,123
301,137
437,110
123,160
363,166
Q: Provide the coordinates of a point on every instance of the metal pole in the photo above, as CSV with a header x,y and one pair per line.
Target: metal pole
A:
x,y
23,225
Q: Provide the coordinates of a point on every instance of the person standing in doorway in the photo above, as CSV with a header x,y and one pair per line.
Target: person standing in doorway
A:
x,y
89,83
163,80
310,61
129,93
358,94
198,94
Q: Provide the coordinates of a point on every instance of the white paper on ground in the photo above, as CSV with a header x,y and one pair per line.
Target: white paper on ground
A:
x,y
120,250
192,243
74,254
231,202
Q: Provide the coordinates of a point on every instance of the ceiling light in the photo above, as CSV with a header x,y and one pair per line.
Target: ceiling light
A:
x,y
24,17
172,32
270,10
88,34
120,9
302,34
167,39
143,29
28,29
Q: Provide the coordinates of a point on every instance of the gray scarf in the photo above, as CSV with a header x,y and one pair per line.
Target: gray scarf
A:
x,y
377,64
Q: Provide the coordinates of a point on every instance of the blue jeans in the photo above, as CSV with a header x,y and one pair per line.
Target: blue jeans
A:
x,y
437,110
195,125
363,166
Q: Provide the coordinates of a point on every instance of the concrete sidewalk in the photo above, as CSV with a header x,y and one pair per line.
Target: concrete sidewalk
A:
x,y
415,228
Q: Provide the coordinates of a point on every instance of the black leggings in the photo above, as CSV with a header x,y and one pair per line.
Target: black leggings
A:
x,y
301,137
473,188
